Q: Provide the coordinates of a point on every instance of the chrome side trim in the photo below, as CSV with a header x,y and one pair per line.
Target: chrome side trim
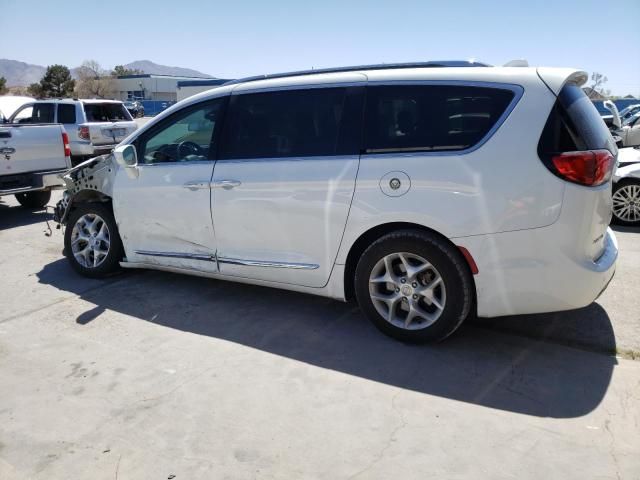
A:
x,y
190,256
256,263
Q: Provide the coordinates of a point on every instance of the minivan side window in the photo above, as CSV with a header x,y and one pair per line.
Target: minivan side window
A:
x,y
293,123
411,118
186,136
66,113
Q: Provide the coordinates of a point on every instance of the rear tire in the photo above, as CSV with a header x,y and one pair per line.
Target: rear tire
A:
x,y
92,243
626,203
36,199
414,286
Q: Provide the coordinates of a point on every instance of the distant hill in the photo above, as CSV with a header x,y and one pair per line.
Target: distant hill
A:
x,y
148,66
23,74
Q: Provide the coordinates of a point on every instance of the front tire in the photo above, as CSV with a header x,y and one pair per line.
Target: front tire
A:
x,y
36,199
414,286
626,203
91,241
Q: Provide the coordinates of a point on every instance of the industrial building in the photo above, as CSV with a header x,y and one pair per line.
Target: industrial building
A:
x,y
186,88
162,88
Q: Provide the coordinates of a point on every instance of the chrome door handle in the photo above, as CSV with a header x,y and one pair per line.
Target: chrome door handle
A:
x,y
7,150
226,184
196,185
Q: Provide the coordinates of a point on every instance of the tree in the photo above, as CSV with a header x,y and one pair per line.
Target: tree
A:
x,y
3,85
56,83
120,70
595,90
94,82
35,90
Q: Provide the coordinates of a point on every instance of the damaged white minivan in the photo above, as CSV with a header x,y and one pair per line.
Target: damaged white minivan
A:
x,y
428,192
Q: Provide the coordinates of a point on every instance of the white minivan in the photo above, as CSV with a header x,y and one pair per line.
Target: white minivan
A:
x,y
428,192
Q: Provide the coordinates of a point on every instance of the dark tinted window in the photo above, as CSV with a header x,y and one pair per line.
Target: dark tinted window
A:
x,y
106,112
66,113
293,123
430,117
574,124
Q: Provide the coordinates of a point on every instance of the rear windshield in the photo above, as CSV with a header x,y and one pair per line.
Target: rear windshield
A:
x,y
105,112
574,124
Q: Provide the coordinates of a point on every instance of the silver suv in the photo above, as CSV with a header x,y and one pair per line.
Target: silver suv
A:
x,y
94,127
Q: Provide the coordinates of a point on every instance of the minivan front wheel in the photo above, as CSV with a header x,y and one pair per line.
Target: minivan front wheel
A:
x,y
413,286
91,241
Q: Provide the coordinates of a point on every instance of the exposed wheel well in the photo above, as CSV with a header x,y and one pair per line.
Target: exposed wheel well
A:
x,y
373,234
88,195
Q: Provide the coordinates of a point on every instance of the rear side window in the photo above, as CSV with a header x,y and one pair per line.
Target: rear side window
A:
x,y
574,124
293,123
407,118
105,112
66,113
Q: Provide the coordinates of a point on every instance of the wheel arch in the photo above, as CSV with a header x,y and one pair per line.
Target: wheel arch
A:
x,y
374,233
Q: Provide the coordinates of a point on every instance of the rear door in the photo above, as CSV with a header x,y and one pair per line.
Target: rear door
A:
x,y
284,180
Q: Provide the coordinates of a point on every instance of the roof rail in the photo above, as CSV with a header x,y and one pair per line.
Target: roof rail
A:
x,y
357,68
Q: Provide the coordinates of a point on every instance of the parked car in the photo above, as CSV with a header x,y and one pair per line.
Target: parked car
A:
x,y
624,114
31,159
625,131
626,188
9,104
135,108
95,127
425,191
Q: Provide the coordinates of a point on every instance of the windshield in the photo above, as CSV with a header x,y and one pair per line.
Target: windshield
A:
x,y
106,112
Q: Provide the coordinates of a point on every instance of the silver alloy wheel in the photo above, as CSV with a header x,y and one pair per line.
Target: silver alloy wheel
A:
x,y
90,240
407,291
626,203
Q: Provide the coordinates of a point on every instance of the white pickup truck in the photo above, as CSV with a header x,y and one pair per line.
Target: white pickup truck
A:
x,y
31,158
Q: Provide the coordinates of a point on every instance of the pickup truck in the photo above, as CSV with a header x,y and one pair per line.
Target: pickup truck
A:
x,y
31,158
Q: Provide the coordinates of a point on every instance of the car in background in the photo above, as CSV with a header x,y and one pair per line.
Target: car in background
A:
x,y
32,158
94,126
135,108
9,104
626,132
429,192
626,188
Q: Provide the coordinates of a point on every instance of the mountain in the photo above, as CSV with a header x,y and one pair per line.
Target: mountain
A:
x,y
20,73
23,74
148,66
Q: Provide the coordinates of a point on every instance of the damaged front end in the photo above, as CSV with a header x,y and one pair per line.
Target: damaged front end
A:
x,y
89,181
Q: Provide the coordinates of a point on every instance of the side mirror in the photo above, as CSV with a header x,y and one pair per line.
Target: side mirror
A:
x,y
127,157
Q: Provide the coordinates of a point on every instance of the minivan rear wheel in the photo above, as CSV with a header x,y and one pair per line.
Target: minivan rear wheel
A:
x,y
414,286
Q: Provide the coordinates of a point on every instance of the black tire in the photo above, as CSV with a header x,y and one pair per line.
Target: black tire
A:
x,y
34,199
626,183
111,262
448,262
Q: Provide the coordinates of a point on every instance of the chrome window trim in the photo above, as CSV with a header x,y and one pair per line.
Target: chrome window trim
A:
x,y
177,163
518,92
257,263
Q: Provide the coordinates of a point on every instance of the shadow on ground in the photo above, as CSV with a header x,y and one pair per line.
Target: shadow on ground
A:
x,y
16,216
476,365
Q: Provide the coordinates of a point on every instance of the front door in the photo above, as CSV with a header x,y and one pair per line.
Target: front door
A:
x,y
164,213
284,181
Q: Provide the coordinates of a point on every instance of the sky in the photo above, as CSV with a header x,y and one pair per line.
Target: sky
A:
x,y
236,38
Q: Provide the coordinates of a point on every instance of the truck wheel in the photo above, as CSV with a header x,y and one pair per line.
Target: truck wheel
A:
x,y
91,241
413,286
36,199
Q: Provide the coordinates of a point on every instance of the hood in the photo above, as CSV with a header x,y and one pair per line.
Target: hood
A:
x,y
609,105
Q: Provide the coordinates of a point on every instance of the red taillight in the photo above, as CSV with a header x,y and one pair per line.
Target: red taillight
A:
x,y
83,133
590,167
65,142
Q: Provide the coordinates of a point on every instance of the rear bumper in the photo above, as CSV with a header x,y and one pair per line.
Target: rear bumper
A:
x,y
89,149
29,182
528,271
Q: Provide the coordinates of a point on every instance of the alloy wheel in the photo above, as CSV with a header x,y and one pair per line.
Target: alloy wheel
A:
x,y
90,240
626,203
